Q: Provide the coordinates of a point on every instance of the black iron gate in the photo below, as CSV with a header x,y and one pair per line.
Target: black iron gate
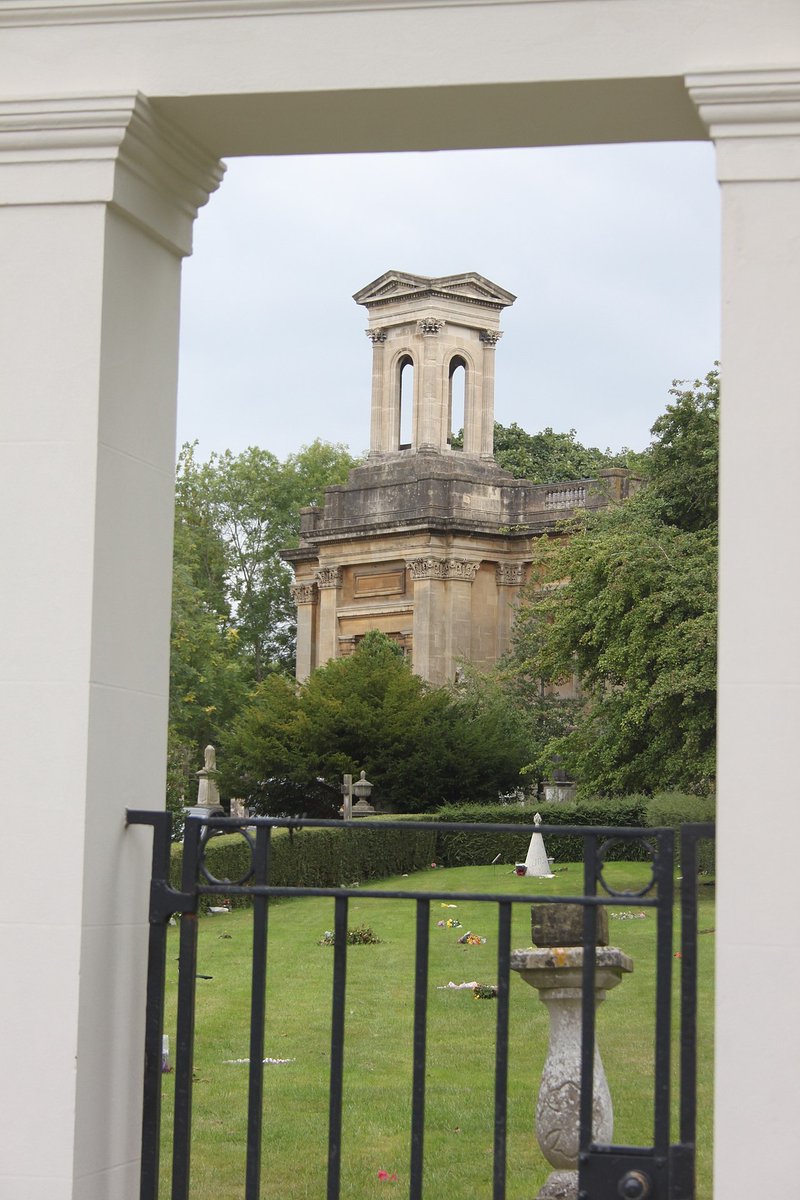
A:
x,y
661,1171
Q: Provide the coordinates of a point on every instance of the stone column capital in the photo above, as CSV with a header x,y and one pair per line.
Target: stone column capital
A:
x,y
328,577
304,593
109,149
510,574
427,568
490,337
464,569
754,119
376,336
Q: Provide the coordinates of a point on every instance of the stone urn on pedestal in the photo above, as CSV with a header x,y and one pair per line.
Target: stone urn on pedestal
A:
x,y
208,802
555,969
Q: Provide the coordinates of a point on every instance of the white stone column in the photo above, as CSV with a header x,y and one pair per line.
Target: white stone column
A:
x,y
99,198
754,119
328,580
305,596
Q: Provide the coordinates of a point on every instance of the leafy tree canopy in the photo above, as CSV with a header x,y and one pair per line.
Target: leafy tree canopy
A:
x,y
547,456
420,746
628,603
232,614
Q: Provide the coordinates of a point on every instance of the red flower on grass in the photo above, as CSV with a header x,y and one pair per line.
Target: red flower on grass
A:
x,y
385,1177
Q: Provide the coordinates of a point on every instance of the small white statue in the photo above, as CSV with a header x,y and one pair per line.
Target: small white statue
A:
x,y
210,763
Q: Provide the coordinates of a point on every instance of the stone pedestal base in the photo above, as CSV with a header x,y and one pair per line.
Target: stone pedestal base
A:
x,y
560,1185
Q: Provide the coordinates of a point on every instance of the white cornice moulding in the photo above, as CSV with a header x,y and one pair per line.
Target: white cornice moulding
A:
x,y
753,118
106,12
108,149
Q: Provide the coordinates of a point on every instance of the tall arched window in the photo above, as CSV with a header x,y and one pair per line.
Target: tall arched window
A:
x,y
457,396
406,402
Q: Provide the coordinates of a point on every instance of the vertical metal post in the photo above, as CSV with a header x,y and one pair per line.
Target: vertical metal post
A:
x,y
337,1047
154,1014
258,995
585,1127
501,1051
682,1172
184,1052
663,870
420,1028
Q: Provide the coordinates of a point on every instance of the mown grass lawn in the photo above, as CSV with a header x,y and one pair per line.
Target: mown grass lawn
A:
x,y
379,1008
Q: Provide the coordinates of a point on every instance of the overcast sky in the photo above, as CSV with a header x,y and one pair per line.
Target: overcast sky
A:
x,y
612,251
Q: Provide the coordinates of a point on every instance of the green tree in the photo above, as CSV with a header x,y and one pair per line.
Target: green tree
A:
x,y
547,456
420,746
628,604
237,513
232,617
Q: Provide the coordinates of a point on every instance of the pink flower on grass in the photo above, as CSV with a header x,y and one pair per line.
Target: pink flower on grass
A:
x,y
385,1177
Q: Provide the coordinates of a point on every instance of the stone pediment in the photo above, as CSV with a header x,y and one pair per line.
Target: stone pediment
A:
x,y
399,285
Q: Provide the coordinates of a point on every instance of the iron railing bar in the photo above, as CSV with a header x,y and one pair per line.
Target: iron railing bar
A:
x,y
623,1150
630,900
663,868
337,1047
501,1051
590,871
184,1048
624,832
258,1000
154,1027
154,1018
688,1044
419,1052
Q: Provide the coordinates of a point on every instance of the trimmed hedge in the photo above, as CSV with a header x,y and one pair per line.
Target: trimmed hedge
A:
x,y
461,849
676,809
318,857
324,858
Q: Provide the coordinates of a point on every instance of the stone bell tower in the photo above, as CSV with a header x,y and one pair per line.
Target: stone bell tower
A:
x,y
423,332
428,543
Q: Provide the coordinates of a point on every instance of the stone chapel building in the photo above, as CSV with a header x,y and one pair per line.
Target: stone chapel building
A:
x,y
428,543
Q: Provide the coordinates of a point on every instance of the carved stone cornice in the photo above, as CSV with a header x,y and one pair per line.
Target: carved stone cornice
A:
x,y
328,577
430,326
443,568
754,119
510,574
304,593
108,149
490,337
376,335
